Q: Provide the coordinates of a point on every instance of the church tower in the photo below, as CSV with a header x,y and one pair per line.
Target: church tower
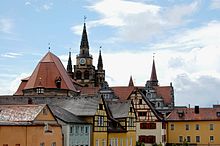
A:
x,y
100,73
84,71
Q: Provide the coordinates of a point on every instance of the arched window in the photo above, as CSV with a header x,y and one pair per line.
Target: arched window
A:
x,y
86,74
78,75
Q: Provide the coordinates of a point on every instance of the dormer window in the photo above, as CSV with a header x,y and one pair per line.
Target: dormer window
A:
x,y
58,82
40,90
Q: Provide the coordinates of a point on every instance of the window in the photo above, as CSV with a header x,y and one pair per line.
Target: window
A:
x,y
53,144
131,141
40,90
218,114
147,125
100,121
180,138
82,129
188,138
164,139
17,144
211,126
116,141
197,138
77,129
147,139
104,142
78,75
5,144
211,138
140,101
45,111
121,142
111,141
86,129
42,144
187,127
100,107
142,113
86,74
197,126
97,142
172,127
71,129
131,122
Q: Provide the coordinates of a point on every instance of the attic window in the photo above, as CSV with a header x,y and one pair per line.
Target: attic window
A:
x,y
58,82
130,109
40,90
180,113
100,106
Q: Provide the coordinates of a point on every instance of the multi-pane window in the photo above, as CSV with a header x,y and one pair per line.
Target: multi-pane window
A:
x,y
147,125
197,127
197,138
164,138
121,142
17,144
42,144
116,141
163,125
131,122
180,138
40,90
211,138
71,129
53,144
142,113
147,139
187,127
100,121
100,107
188,138
104,142
172,127
97,142
211,126
77,129
5,144
140,101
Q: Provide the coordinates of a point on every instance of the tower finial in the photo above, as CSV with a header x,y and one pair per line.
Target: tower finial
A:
x,y
84,19
100,64
69,64
131,83
49,47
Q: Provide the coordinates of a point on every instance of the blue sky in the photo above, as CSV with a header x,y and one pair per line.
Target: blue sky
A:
x,y
183,34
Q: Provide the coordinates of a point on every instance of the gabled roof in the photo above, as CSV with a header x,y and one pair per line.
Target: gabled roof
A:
x,y
119,109
165,93
48,70
19,114
123,92
65,115
81,105
188,114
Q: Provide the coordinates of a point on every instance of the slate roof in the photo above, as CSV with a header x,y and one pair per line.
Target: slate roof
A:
x,y
46,72
119,109
81,105
19,114
205,114
65,115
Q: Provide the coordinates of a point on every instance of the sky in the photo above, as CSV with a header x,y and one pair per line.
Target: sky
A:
x,y
182,35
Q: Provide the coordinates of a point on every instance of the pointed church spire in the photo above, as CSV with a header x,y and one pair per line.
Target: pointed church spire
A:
x,y
153,78
69,65
131,83
84,46
100,64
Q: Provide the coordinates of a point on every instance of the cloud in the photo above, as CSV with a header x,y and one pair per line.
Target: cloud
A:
x,y
11,55
6,25
131,17
195,91
215,4
39,5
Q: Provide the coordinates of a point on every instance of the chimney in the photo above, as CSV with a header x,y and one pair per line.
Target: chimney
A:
x,y
196,109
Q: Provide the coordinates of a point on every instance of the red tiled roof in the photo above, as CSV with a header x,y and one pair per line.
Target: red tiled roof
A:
x,y
123,92
47,71
165,92
205,114
21,87
89,90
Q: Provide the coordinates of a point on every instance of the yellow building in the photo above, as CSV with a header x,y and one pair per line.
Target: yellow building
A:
x,y
198,126
28,125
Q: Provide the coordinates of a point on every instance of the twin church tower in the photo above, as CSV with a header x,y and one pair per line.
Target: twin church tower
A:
x,y
85,72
